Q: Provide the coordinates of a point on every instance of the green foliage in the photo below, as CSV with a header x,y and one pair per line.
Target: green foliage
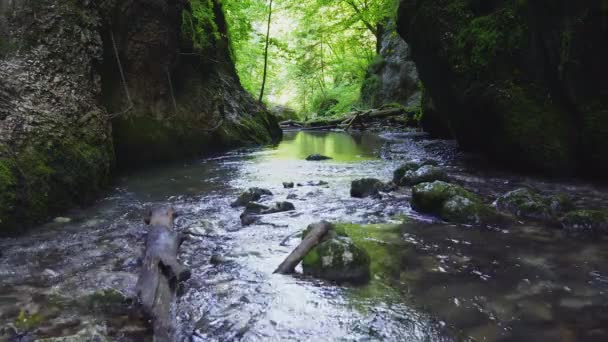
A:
x,y
320,50
199,25
488,37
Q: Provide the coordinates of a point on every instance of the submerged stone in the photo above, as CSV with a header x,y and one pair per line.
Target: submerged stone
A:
x,y
424,174
585,222
317,157
366,187
251,195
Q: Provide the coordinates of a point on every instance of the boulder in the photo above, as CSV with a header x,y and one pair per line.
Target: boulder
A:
x,y
585,222
337,258
410,166
528,204
366,187
453,203
317,157
424,174
251,195
288,185
254,210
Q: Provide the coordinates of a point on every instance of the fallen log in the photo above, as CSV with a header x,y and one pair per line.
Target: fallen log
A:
x,y
345,122
161,272
311,240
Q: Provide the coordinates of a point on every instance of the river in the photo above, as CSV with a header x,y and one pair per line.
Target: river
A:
x,y
431,281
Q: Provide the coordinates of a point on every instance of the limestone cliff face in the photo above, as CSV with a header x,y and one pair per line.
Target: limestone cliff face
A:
x,y
185,96
521,81
64,108
393,78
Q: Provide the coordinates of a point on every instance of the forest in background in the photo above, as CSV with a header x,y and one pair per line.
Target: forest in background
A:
x,y
319,50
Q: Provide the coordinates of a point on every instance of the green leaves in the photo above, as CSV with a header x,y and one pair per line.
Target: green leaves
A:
x,y
319,49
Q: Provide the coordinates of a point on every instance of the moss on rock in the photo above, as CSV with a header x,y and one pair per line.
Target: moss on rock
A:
x,y
585,223
337,257
452,203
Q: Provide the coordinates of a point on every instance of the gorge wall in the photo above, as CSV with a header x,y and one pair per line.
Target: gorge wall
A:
x,y
68,114
521,81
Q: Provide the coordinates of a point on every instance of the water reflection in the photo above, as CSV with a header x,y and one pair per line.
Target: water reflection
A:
x,y
340,146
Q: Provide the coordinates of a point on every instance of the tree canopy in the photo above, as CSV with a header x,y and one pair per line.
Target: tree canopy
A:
x,y
319,50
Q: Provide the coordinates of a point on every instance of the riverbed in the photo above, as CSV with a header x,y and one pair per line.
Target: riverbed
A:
x,y
431,281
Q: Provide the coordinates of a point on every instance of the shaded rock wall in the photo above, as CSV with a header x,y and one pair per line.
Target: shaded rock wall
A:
x,y
521,81
393,77
182,85
62,99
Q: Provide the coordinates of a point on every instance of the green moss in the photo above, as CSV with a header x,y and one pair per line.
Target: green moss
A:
x,y
453,203
199,24
534,130
26,321
43,179
8,184
486,39
378,241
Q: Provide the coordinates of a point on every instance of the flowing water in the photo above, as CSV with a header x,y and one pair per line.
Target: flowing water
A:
x,y
431,281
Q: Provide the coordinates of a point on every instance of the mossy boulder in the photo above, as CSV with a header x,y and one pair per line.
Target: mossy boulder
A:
x,y
453,203
366,187
337,258
410,166
424,174
251,195
528,204
585,223
528,91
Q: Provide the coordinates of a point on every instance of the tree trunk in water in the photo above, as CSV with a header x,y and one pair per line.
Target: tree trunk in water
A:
x,y
310,241
266,52
160,274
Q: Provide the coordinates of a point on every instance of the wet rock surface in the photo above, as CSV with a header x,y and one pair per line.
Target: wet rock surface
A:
x,y
251,195
366,187
452,203
317,157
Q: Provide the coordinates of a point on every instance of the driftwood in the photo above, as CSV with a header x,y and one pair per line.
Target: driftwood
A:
x,y
160,274
311,240
345,122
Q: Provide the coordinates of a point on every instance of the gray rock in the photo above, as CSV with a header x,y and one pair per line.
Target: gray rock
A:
x,y
366,187
317,157
424,174
251,195
288,185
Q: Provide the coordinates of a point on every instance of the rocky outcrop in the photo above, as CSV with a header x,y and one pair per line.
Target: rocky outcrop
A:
x,y
67,111
181,83
521,81
393,77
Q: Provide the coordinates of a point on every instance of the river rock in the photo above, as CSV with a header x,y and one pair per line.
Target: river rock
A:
x,y
288,185
528,204
251,195
452,203
317,157
424,174
585,222
253,210
366,187
410,166
338,259
279,207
